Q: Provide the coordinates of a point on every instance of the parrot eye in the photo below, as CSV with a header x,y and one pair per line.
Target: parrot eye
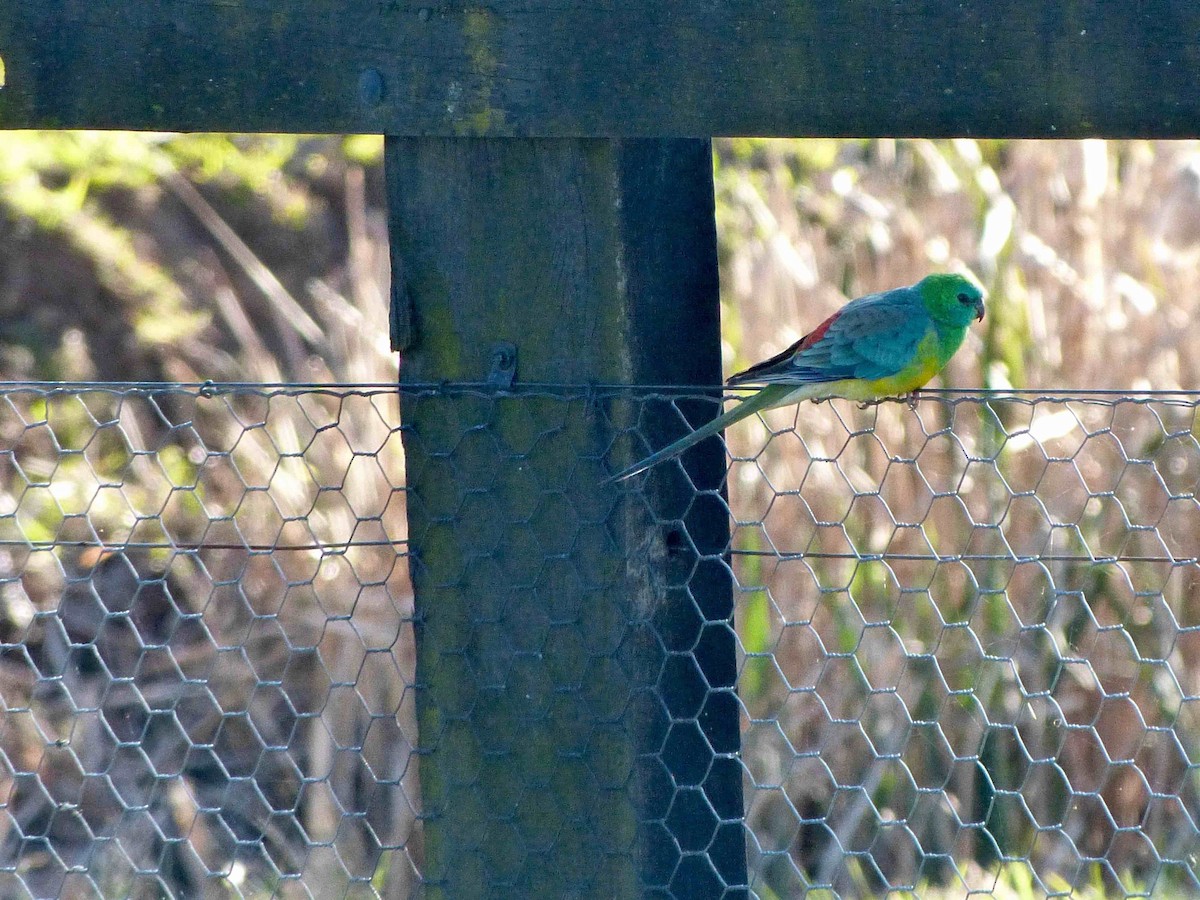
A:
x,y
965,299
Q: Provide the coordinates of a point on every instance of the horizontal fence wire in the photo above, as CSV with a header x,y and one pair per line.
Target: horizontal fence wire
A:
x,y
968,637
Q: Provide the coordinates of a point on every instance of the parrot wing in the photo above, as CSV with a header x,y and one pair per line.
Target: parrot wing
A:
x,y
869,338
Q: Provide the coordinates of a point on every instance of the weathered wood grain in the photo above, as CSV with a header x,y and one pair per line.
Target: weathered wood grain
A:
x,y
606,68
575,655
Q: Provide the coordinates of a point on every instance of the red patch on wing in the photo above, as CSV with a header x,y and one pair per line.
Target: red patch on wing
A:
x,y
817,333
803,344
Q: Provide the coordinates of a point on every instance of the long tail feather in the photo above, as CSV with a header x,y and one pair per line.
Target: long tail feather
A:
x,y
764,399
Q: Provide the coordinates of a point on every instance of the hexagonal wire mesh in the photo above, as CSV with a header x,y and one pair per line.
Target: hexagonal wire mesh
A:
x,y
205,658
965,634
970,633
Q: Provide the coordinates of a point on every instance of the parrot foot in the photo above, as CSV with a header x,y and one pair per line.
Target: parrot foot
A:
x,y
913,398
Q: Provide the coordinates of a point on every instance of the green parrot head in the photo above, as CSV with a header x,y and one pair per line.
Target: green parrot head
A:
x,y
951,299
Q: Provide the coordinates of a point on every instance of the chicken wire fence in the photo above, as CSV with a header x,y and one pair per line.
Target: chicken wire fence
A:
x,y
967,639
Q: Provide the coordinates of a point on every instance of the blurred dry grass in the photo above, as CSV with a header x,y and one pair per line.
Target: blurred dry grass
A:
x,y
225,721
1088,249
908,717
908,722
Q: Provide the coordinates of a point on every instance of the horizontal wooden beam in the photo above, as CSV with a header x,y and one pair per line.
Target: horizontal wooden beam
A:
x,y
613,68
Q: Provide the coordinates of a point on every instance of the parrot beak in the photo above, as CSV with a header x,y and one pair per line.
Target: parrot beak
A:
x,y
979,310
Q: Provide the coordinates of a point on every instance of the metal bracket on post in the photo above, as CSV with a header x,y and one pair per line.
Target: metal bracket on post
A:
x,y
503,370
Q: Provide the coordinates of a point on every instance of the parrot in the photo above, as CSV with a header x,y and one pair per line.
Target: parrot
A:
x,y
888,344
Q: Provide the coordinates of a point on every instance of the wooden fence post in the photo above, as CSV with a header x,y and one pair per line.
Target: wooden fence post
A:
x,y
576,661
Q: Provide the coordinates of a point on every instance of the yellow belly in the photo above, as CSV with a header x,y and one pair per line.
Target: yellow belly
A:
x,y
903,382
